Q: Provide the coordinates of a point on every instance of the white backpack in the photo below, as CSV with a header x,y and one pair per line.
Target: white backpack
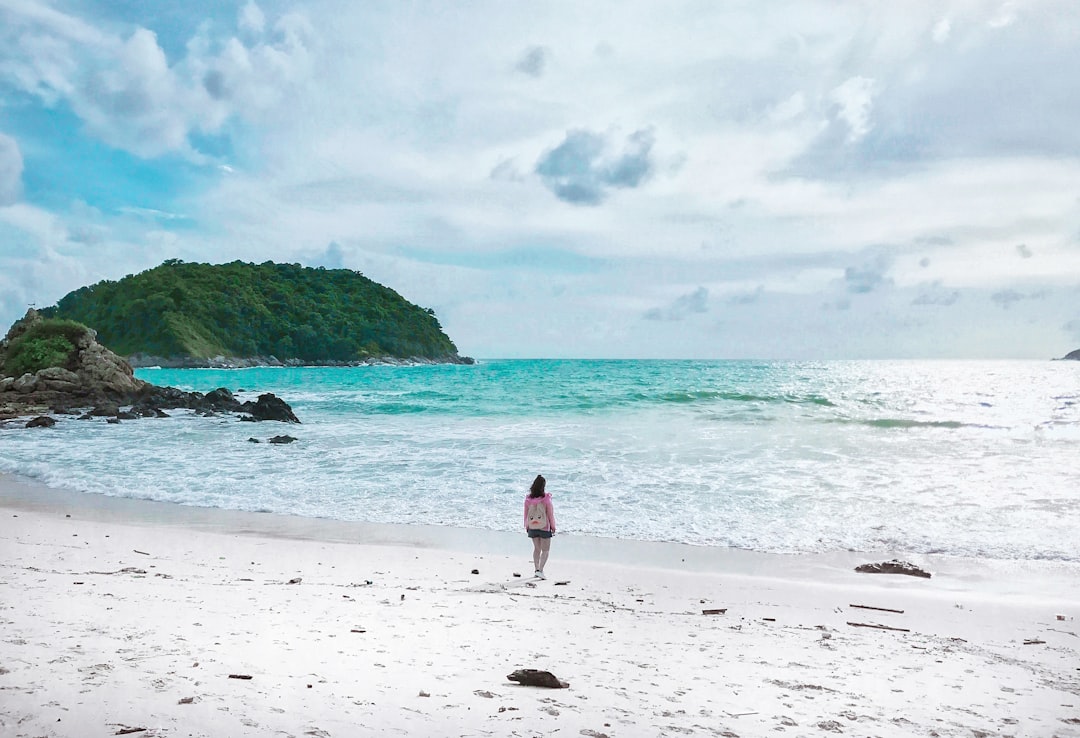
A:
x,y
536,514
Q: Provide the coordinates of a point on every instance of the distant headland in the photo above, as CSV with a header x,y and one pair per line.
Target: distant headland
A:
x,y
1072,356
238,314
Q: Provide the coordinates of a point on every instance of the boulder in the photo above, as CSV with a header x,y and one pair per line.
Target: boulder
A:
x,y
25,384
537,678
270,407
282,439
41,421
893,567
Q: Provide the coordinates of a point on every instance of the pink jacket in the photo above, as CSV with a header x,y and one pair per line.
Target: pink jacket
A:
x,y
548,510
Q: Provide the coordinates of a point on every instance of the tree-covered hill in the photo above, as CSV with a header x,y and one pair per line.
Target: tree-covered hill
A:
x,y
200,311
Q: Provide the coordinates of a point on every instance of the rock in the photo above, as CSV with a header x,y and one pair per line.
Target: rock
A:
x,y
270,407
254,440
893,567
95,377
1072,356
222,399
41,421
281,439
25,384
537,678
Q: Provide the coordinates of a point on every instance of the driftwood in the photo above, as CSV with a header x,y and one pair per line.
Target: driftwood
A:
x,y
537,678
882,609
879,627
1033,642
239,676
715,611
125,731
144,554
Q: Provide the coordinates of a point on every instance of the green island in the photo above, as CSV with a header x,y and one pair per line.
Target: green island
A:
x,y
191,314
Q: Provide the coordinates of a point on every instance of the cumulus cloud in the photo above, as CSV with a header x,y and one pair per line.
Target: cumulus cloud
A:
x,y
854,101
747,298
586,166
251,19
533,61
683,306
332,258
11,167
1007,298
936,294
506,171
128,93
941,31
867,277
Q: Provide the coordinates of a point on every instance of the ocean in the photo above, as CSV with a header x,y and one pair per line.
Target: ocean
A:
x,y
958,458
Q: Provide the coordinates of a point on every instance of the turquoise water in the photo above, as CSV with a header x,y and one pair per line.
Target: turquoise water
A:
x,y
959,458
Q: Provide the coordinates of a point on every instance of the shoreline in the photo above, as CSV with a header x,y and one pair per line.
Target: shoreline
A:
x,y
989,577
122,614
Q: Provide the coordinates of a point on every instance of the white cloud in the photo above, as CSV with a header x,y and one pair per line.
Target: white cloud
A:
x,y
251,20
129,93
11,167
855,98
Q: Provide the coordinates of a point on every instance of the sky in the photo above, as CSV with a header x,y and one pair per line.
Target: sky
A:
x,y
703,179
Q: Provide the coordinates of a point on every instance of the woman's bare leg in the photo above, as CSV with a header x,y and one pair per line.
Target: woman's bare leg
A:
x,y
545,547
537,543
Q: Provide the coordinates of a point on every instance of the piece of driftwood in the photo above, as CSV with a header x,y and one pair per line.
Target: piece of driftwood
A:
x,y
239,676
714,611
1033,642
562,584
893,567
882,609
144,554
297,580
537,678
125,731
879,627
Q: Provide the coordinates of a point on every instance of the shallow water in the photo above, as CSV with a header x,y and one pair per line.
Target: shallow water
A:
x,y
974,459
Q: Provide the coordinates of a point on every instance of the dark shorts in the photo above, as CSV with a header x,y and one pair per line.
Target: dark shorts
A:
x,y
540,534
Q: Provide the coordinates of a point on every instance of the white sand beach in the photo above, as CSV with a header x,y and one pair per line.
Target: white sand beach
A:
x,y
123,617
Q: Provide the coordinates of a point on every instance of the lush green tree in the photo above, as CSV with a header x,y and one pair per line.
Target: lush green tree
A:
x,y
45,344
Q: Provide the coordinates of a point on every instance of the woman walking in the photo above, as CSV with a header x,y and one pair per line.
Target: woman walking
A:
x,y
539,523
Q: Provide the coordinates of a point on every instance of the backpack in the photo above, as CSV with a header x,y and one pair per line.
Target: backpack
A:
x,y
536,514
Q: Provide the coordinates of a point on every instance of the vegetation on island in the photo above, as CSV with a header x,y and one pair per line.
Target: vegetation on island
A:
x,y
310,315
45,344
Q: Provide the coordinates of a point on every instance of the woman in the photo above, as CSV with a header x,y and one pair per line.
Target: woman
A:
x,y
539,523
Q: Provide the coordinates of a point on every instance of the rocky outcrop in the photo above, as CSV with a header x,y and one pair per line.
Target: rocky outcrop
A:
x,y
93,375
101,382
1072,356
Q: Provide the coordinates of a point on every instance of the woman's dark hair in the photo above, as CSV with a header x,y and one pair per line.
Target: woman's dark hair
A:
x,y
537,488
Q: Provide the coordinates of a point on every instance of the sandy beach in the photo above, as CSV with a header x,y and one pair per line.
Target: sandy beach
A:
x,y
124,617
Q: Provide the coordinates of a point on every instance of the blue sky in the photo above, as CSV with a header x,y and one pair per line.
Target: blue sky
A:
x,y
683,179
